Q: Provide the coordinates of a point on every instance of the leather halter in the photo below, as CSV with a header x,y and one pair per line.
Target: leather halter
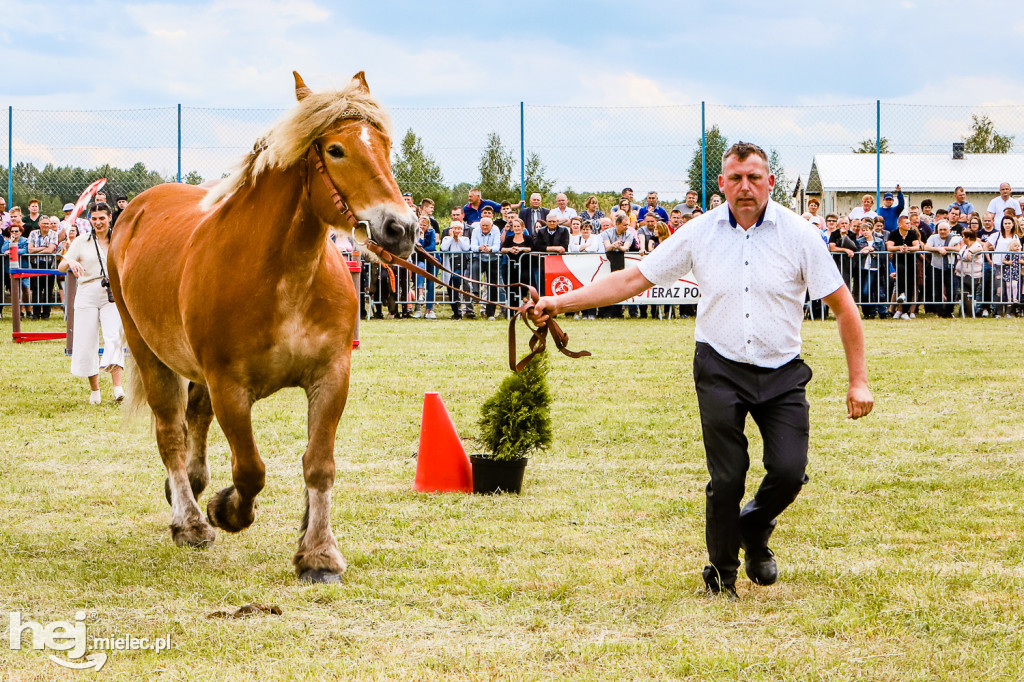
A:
x,y
538,339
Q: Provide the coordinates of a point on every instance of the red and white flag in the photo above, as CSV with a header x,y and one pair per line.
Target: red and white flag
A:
x,y
86,197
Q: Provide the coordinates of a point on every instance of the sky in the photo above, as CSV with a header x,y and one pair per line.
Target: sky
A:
x,y
103,54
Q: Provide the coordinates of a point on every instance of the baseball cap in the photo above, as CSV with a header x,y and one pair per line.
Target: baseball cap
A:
x,y
887,195
69,207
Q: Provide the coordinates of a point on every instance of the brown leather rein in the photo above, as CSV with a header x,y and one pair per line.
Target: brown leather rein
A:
x,y
538,339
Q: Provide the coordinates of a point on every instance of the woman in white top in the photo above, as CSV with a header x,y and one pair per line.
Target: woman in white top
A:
x,y
87,260
999,244
453,244
586,241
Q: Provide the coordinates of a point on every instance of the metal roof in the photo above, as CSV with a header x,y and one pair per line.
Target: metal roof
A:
x,y
980,173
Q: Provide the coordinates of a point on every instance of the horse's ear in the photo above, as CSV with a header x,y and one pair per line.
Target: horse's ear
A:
x,y
360,80
301,90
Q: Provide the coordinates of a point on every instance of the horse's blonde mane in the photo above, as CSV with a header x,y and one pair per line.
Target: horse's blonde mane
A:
x,y
287,142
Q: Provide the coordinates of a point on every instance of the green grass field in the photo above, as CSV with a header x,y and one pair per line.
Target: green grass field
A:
x,y
902,559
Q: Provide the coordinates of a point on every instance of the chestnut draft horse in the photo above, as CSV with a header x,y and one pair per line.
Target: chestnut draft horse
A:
x,y
231,294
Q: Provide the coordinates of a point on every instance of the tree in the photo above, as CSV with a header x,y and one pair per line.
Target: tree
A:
x,y
781,192
716,145
416,171
496,171
984,139
535,177
867,146
193,178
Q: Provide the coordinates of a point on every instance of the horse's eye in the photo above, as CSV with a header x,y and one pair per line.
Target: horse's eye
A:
x,y
336,151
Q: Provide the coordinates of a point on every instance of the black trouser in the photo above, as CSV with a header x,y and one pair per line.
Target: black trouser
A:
x,y
616,262
726,392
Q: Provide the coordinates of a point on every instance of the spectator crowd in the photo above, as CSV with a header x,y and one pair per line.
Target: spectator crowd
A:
x,y
898,261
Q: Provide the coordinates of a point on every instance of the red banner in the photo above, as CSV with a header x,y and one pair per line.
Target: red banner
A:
x,y
572,271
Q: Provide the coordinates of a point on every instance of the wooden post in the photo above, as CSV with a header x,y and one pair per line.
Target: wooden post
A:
x,y
70,291
15,292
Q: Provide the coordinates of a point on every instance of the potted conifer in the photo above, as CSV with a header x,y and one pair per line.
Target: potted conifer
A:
x,y
514,422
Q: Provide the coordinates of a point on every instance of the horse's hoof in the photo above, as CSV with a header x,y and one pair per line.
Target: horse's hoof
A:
x,y
320,577
195,536
222,512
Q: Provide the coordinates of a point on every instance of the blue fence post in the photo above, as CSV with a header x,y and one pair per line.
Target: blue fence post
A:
x,y
878,152
703,162
179,143
522,155
10,156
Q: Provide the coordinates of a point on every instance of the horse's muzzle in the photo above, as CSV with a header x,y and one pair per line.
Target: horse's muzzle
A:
x,y
397,234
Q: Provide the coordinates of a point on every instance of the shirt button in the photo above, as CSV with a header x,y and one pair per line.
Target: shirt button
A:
x,y
746,288
746,262
748,314
748,340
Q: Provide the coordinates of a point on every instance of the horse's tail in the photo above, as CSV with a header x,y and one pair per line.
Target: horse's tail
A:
x,y
135,404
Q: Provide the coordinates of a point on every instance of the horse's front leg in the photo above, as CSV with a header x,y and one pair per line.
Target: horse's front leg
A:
x,y
318,558
234,508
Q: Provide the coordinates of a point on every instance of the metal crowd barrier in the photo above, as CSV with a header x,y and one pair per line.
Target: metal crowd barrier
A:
x,y
40,295
884,284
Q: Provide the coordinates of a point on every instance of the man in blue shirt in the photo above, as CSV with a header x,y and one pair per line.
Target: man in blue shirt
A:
x,y
652,205
486,247
471,211
966,207
888,212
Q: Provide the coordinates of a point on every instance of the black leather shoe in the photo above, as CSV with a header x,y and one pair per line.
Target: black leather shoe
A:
x,y
759,561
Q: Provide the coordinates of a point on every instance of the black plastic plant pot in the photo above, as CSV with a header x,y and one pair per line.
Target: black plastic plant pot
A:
x,y
492,476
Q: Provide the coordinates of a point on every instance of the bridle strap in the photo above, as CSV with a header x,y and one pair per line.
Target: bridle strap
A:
x,y
538,338
318,161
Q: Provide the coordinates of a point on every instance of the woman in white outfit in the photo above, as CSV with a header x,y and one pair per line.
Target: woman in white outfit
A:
x,y
87,260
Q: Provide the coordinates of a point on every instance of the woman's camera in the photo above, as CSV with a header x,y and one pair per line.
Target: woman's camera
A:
x,y
106,285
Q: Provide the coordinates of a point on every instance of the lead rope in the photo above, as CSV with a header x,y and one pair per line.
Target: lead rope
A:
x,y
539,334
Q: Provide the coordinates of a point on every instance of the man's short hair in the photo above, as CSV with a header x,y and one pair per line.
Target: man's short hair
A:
x,y
486,208
652,192
742,150
626,189
942,211
901,217
942,223
958,187
32,201
914,208
505,204
831,216
475,189
426,202
620,217
691,191
969,234
674,211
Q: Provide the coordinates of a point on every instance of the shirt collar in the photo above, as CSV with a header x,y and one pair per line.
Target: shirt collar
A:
x,y
767,215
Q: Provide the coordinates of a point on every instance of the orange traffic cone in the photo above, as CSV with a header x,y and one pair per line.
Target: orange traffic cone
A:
x,y
441,464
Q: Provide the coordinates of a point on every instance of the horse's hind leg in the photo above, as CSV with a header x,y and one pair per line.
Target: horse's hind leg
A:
x,y
318,558
163,392
198,417
234,508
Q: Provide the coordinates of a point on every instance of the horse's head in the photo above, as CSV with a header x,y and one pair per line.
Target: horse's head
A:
x,y
354,154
